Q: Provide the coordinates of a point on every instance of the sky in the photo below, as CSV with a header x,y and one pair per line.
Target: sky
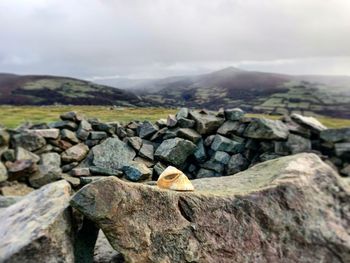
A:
x,y
106,39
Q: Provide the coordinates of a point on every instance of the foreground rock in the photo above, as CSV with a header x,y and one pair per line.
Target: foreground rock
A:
x,y
37,228
291,209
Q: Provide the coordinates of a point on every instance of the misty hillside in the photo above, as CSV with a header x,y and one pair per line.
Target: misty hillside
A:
x,y
48,90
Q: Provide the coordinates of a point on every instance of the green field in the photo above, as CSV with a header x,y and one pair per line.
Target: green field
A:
x,y
12,116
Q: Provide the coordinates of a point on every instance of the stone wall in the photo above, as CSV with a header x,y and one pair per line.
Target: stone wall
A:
x,y
201,143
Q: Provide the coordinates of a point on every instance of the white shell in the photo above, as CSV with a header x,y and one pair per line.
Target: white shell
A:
x,y
173,179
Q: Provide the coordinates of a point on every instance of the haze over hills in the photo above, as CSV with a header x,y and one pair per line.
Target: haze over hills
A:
x,y
253,91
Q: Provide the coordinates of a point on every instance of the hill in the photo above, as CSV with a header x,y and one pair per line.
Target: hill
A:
x,y
253,91
48,90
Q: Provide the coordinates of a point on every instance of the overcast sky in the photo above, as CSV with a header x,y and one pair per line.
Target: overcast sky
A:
x,y
155,38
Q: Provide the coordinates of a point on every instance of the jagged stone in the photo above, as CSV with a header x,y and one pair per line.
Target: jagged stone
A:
x,y
67,167
135,142
38,228
236,164
73,181
266,129
297,199
234,114
69,135
203,173
51,159
80,171
30,142
200,154
171,121
64,145
147,129
189,134
137,172
9,155
182,113
175,151
71,116
221,157
104,252
309,122
221,143
112,154
229,127
75,154
206,123
158,169
346,171
342,148
186,123
161,123
147,151
84,129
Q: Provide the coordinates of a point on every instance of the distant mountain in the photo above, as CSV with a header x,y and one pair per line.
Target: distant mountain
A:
x,y
47,90
253,91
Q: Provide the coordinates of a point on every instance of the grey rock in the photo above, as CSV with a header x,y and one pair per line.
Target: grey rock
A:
x,y
237,163
23,154
84,130
182,113
171,121
15,189
137,172
73,181
158,169
189,134
161,123
342,148
112,154
206,123
267,129
64,125
96,170
69,136
175,151
224,144
147,151
145,161
92,143
104,252
71,116
200,154
3,173
44,175
67,167
147,129
4,137
30,142
209,140
51,159
214,166
336,135
9,155
135,142
46,133
234,114
229,127
6,201
21,169
309,122
98,135
75,154
346,171
90,179
203,173
221,157
38,228
186,123
80,171
294,144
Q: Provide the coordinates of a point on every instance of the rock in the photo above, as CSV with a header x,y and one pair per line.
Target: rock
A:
x,y
38,228
92,143
294,144
44,175
90,179
147,151
15,189
4,137
342,148
200,154
67,167
147,129
70,136
137,172
9,155
224,144
3,172
221,157
71,116
189,134
73,181
104,252
171,121
64,125
75,154
46,133
158,169
297,199
309,122
234,114
51,159
95,170
78,172
6,201
23,154
206,123
215,166
98,135
84,130
182,113
145,161
21,169
346,171
135,142
64,145
209,140
30,142
236,164
112,154
266,129
335,135
203,173
186,123
175,151
229,127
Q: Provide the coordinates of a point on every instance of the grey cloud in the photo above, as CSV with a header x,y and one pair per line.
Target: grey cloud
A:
x,y
154,38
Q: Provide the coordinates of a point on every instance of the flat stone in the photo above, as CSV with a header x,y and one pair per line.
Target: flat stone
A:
x,y
266,129
70,125
135,142
23,154
335,135
81,171
37,228
289,198
200,153
234,114
229,127
98,135
175,151
67,167
171,121
46,133
189,134
95,170
224,144
71,116
147,151
137,172
84,130
51,159
186,123
112,154
73,181
309,122
206,123
221,157
69,136
203,173
75,154
147,129
30,142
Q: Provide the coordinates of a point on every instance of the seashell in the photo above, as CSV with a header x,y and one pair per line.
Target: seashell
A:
x,y
173,179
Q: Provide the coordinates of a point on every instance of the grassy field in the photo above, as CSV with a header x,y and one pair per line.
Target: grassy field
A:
x,y
12,116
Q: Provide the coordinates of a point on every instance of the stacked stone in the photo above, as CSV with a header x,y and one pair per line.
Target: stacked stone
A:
x,y
201,143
